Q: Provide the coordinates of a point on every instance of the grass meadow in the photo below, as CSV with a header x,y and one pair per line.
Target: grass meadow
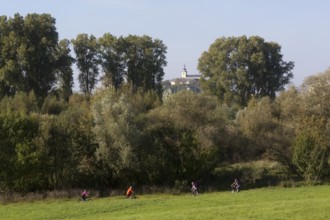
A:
x,y
266,203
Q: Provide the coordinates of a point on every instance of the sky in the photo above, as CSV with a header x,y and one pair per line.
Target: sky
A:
x,y
189,27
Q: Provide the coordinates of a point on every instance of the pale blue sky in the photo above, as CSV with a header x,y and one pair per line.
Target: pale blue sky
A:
x,y
189,27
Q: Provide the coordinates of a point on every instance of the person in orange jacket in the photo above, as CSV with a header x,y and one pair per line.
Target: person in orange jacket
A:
x,y
130,193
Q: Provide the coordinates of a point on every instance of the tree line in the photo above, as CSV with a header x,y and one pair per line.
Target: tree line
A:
x,y
34,59
126,132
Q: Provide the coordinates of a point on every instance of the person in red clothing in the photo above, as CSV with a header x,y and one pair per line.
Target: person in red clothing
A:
x,y
130,193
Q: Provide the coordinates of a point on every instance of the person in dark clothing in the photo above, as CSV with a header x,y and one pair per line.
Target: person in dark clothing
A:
x,y
235,186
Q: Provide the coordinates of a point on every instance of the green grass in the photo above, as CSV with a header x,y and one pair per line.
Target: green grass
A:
x,y
267,203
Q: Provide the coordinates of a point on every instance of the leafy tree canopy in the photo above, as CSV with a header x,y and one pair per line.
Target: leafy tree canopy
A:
x,y
27,54
236,68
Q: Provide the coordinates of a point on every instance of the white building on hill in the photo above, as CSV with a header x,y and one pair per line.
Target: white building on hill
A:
x,y
185,78
184,74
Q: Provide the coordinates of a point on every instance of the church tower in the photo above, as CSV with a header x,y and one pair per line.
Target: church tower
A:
x,y
184,72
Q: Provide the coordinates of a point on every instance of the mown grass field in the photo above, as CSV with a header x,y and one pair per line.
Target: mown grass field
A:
x,y
267,203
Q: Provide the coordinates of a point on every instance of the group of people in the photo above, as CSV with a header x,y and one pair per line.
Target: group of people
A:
x,y
129,194
235,187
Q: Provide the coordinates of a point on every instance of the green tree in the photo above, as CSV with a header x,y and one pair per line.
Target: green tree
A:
x,y
20,102
28,48
237,68
288,107
11,64
269,137
87,60
289,104
311,149
41,39
55,142
117,134
79,123
316,93
21,167
112,62
64,71
188,136
144,60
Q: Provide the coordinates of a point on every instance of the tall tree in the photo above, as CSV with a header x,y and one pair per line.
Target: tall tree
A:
x,y
237,68
28,48
7,68
145,59
41,40
11,64
86,50
112,61
64,70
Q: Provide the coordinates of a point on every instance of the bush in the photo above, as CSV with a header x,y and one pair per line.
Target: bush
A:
x,y
180,186
252,174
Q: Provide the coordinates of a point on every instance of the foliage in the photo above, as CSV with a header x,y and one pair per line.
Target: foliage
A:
x,y
64,71
27,50
253,174
289,104
144,59
21,165
86,49
53,106
311,122
137,60
78,122
21,102
190,130
269,136
44,151
118,131
112,60
316,92
237,68
311,149
124,133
